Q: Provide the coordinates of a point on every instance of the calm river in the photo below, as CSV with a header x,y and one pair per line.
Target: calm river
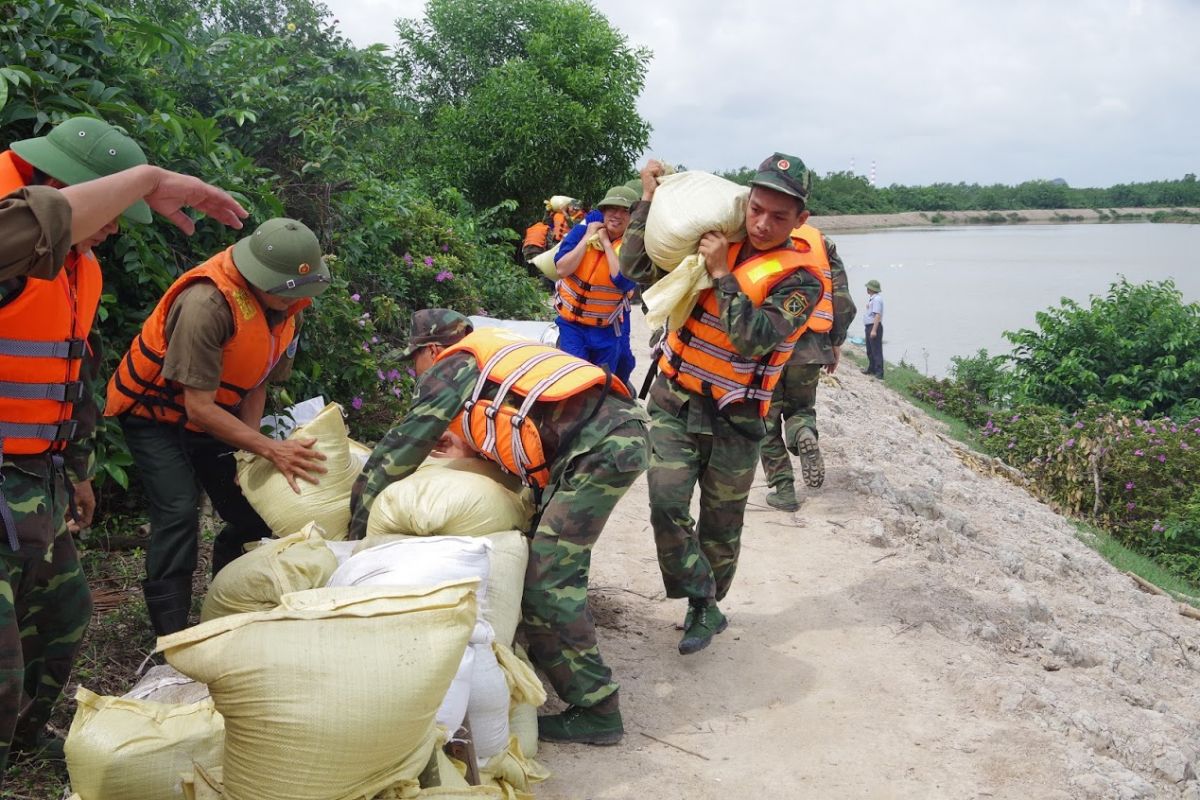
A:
x,y
951,291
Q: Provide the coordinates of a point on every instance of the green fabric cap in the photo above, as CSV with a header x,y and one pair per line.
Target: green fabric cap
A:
x,y
83,149
873,285
435,326
636,187
786,174
283,257
619,196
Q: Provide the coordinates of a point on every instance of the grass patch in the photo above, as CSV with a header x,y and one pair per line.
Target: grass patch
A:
x,y
900,378
1144,567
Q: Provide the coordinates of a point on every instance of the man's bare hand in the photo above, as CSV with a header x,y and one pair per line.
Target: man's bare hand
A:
x,y
172,192
837,359
650,175
715,249
85,507
296,458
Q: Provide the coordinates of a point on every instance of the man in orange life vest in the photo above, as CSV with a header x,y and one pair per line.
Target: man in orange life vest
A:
x,y
716,376
592,296
191,390
568,431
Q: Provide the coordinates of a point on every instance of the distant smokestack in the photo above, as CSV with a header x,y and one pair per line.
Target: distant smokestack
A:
x,y
872,179
851,165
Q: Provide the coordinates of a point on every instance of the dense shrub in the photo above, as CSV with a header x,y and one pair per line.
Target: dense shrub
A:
x,y
951,397
982,374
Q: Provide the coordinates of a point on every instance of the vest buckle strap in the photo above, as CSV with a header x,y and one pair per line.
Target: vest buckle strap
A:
x,y
71,392
71,349
64,431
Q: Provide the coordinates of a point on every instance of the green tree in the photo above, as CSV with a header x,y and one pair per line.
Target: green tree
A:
x,y
523,98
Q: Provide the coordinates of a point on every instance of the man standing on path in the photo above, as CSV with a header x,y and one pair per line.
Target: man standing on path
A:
x,y
874,331
191,390
792,421
49,294
581,442
716,377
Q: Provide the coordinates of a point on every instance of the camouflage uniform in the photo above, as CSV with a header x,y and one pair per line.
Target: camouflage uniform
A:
x,y
45,604
586,481
794,403
690,442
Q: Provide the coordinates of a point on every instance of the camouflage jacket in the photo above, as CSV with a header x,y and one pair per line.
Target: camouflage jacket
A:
x,y
817,348
440,395
754,330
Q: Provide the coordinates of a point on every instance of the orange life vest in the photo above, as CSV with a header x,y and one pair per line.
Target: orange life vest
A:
x,y
43,339
562,224
500,430
820,319
588,295
700,357
535,235
138,386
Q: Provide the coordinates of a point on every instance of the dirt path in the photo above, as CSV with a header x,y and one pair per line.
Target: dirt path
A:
x,y
917,630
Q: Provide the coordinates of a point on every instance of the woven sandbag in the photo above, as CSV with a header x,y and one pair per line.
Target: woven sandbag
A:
x,y
256,580
544,261
139,750
332,695
165,684
513,772
327,503
688,205
452,497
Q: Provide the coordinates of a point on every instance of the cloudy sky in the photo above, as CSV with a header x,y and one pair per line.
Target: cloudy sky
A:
x,y
1095,92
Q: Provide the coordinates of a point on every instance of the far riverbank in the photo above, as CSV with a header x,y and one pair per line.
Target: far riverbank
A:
x,y
908,219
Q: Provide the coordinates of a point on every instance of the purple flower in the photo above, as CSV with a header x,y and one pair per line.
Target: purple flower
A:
x,y
1138,453
1077,425
394,375
366,347
1015,417
379,372
1070,442
1011,445
412,373
362,323
374,340
445,248
356,403
1157,527
1184,446
396,391
1130,506
1129,486
1162,459
356,297
429,261
444,275
408,259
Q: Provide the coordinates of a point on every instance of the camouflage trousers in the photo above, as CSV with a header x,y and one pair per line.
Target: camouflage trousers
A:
x,y
557,622
698,559
793,407
45,606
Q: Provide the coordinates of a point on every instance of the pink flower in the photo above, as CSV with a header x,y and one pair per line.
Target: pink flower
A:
x,y
382,377
1078,425
412,373
429,261
356,403
1129,486
1130,506
356,297
444,275
1070,442
1138,453
394,375
445,248
408,259
396,391
1162,459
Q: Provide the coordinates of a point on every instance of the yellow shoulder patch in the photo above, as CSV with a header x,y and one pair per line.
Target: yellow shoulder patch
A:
x,y
764,270
796,303
247,308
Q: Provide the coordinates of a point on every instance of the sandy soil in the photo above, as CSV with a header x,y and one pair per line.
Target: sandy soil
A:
x,y
917,630
856,222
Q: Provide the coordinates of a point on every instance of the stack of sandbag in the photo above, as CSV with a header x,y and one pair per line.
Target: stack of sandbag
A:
x,y
131,749
334,693
257,580
686,206
327,503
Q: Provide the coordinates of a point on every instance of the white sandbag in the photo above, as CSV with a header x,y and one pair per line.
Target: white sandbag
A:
x,y
453,709
488,705
333,694
327,503
672,298
167,685
139,750
424,561
559,202
256,580
450,496
688,205
523,724
342,550
544,261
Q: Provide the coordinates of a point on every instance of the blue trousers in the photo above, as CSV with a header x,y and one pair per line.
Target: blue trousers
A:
x,y
601,346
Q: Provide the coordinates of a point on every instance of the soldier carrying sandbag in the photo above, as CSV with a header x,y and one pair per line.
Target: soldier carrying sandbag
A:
x,y
574,436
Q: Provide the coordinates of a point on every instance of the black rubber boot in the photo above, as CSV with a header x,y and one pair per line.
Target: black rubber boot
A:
x,y
168,602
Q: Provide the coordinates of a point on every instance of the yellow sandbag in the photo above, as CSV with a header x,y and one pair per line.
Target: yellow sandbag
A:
x,y
523,683
451,497
138,750
506,582
359,451
332,695
203,784
513,772
522,723
256,581
672,299
544,261
688,205
450,771
327,503
461,793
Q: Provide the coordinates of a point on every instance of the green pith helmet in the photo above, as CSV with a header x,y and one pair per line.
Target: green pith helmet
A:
x,y
619,196
786,174
282,257
636,186
82,149
435,326
873,286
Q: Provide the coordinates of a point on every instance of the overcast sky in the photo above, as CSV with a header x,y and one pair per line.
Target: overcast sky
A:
x,y
1095,92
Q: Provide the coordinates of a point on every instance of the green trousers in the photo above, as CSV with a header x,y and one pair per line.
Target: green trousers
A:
x,y
793,407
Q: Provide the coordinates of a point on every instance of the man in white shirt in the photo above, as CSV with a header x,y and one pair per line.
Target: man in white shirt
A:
x,y
874,332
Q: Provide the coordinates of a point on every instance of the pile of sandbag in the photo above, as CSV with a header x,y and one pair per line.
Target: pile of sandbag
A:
x,y
327,503
686,206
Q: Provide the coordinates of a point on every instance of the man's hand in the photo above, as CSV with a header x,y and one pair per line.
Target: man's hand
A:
x,y
837,359
604,239
715,249
450,446
296,458
874,333
650,174
85,506
172,192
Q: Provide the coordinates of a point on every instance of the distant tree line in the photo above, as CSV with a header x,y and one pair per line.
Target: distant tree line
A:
x,y
848,193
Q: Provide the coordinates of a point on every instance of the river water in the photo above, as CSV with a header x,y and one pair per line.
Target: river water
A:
x,y
951,291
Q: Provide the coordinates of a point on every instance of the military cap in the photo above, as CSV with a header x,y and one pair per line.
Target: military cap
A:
x,y
620,197
83,149
435,326
873,285
282,257
786,174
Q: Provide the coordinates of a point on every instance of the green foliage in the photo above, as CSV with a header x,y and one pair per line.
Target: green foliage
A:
x,y
523,99
1134,348
951,398
982,374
